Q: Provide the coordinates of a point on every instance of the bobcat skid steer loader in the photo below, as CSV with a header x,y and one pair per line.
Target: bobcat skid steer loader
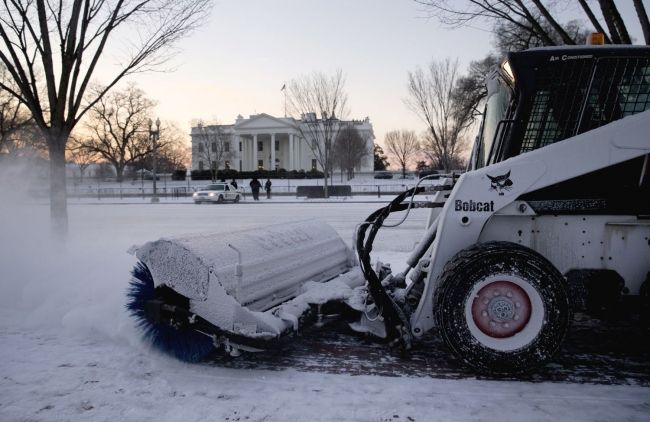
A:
x,y
551,216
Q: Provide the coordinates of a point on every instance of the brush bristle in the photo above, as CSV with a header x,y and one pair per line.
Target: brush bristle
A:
x,y
186,345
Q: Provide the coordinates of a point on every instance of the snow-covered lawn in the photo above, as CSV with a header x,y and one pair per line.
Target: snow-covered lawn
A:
x,y
70,352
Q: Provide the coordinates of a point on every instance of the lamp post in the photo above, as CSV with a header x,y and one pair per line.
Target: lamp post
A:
x,y
154,134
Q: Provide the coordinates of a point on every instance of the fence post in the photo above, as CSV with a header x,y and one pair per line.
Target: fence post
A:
x,y
378,191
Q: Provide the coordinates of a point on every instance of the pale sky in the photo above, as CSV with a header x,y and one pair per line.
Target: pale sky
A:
x,y
238,61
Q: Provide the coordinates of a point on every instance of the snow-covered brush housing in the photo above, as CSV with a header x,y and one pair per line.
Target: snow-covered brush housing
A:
x,y
242,289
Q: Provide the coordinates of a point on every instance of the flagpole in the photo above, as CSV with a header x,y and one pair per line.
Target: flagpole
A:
x,y
284,91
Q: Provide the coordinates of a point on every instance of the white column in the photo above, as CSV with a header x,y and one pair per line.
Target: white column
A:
x,y
244,160
290,152
245,154
254,152
238,153
272,166
299,153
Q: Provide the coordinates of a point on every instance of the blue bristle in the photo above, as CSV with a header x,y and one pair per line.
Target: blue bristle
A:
x,y
186,345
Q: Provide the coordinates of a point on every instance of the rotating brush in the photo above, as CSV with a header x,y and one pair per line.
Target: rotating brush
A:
x,y
185,344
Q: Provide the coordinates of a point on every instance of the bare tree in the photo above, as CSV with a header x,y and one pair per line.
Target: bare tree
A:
x,y
174,154
470,90
432,99
617,30
214,146
14,116
53,49
26,141
80,155
118,128
559,30
403,145
349,149
594,21
527,18
459,13
509,37
643,20
320,102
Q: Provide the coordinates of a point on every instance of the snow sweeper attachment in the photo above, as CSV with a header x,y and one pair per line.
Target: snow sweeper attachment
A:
x,y
240,290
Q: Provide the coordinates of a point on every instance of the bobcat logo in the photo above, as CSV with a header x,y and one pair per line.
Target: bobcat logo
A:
x,y
500,183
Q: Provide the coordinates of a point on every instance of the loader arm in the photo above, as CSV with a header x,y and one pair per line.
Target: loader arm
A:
x,y
480,194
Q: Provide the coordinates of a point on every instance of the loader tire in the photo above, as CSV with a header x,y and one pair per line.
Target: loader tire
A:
x,y
502,307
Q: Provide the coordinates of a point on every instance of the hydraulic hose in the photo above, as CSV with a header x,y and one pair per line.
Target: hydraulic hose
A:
x,y
397,325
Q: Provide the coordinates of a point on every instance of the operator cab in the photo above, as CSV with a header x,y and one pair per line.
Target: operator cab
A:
x,y
544,95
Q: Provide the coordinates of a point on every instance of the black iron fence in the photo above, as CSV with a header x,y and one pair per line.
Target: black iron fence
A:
x,y
126,191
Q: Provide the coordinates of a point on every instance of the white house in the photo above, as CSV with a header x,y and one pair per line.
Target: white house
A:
x,y
266,142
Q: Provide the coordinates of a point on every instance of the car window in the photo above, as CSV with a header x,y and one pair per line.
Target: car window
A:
x,y
214,187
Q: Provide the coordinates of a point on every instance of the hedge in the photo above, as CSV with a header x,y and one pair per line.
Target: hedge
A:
x,y
260,174
319,191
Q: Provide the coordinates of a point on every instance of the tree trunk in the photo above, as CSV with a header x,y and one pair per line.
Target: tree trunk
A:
x,y
614,22
58,194
643,20
325,183
620,24
594,21
119,173
537,28
544,11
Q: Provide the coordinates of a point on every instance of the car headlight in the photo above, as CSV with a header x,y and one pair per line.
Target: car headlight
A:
x,y
211,194
195,194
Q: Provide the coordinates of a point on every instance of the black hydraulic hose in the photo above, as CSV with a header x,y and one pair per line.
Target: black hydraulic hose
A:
x,y
377,218
396,321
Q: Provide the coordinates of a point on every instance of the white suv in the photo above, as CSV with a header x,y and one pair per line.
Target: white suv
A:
x,y
217,193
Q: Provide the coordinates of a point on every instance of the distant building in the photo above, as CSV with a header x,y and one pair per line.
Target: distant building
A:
x,y
266,142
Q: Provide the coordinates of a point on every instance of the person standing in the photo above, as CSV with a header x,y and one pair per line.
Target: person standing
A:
x,y
255,188
267,187
234,183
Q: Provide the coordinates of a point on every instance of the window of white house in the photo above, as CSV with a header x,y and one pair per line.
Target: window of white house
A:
x,y
314,164
214,165
260,164
201,147
240,147
260,146
214,147
226,146
200,164
227,165
277,145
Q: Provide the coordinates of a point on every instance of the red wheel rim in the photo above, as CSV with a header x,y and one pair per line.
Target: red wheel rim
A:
x,y
501,309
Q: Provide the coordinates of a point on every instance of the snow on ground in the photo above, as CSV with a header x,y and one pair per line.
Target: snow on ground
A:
x,y
70,352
